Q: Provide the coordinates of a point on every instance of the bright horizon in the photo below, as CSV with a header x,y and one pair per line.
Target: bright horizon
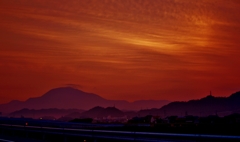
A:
x,y
174,50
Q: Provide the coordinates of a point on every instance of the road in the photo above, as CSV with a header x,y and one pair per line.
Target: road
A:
x,y
17,139
5,140
115,135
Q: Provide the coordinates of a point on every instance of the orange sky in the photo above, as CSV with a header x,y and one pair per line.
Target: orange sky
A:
x,y
131,49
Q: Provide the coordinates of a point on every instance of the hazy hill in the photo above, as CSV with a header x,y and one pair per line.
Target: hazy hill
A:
x,y
209,105
102,112
69,98
93,112
111,111
152,111
53,112
73,115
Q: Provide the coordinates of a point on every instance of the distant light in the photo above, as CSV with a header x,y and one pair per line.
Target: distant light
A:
x,y
26,123
40,118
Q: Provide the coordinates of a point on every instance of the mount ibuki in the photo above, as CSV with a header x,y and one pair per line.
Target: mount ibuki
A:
x,y
69,98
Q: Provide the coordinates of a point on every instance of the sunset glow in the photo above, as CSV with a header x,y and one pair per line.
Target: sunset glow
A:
x,y
120,49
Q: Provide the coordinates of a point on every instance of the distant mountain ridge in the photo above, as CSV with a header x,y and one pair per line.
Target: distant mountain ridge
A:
x,y
69,114
71,98
53,112
208,105
102,112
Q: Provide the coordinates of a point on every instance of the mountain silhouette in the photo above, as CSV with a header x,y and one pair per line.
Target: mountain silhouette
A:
x,y
53,112
102,112
93,112
73,115
111,111
208,105
69,98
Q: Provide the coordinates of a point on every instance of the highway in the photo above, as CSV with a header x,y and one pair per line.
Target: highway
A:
x,y
97,135
5,140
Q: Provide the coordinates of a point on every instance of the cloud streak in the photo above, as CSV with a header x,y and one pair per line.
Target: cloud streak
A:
x,y
121,48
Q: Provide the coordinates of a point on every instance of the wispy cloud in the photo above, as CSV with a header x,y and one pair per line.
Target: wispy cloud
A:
x,y
155,45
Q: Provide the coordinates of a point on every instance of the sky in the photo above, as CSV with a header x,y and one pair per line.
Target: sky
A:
x,y
131,50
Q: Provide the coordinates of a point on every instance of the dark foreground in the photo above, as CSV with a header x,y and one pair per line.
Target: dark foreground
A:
x,y
19,130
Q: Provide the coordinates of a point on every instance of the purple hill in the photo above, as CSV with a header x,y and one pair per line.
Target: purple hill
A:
x,y
71,98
